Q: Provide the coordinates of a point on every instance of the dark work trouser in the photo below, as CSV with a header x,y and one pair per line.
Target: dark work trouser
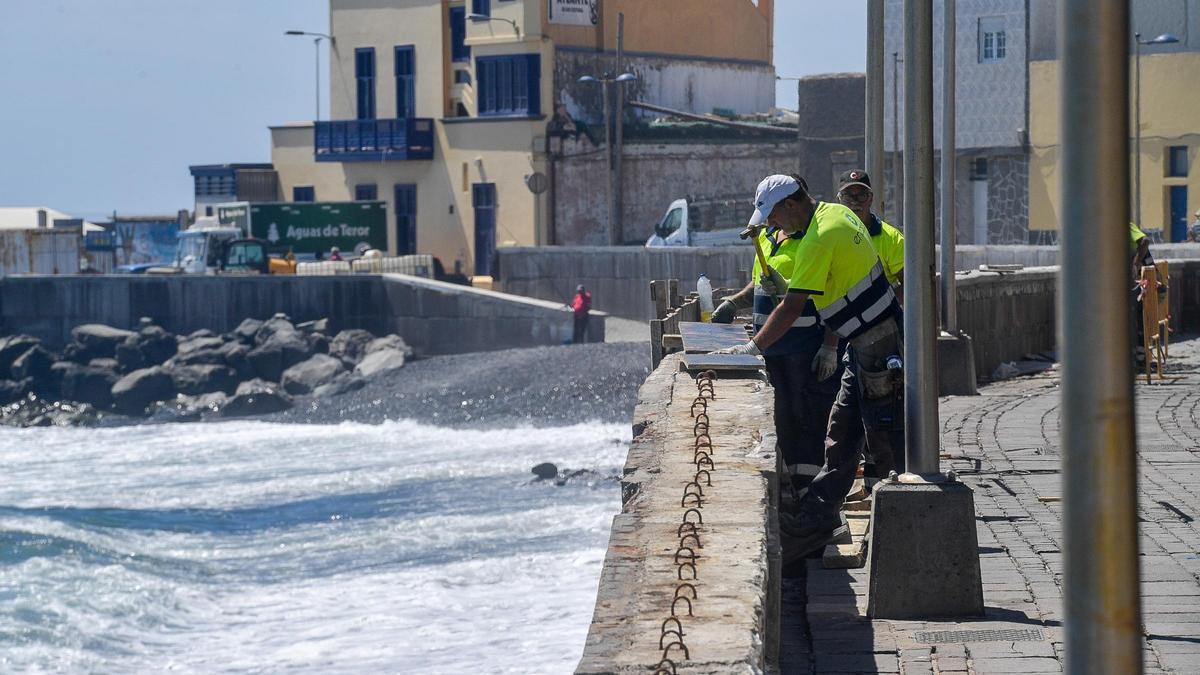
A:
x,y
581,324
869,407
802,405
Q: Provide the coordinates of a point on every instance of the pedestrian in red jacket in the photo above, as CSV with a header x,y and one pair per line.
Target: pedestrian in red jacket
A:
x,y
580,305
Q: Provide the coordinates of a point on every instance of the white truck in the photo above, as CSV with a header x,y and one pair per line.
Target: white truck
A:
x,y
702,222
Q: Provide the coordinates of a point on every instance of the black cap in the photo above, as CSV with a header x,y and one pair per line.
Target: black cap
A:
x,y
854,177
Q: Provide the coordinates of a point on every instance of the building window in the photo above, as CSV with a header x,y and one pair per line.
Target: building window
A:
x,y
993,39
509,85
483,7
459,51
406,76
364,75
366,193
462,76
979,168
1177,161
304,193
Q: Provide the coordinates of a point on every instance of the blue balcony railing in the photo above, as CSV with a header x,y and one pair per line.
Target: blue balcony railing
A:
x,y
373,140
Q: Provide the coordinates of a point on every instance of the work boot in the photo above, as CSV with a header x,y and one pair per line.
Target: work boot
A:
x,y
802,536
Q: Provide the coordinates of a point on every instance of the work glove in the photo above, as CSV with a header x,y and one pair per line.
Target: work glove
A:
x,y
748,348
724,312
825,363
773,282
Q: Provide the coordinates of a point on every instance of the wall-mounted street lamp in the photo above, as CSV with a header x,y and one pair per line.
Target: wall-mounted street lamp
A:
x,y
1164,39
317,43
477,18
615,236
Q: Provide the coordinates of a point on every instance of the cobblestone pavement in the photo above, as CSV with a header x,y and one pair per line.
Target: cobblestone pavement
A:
x,y
1005,445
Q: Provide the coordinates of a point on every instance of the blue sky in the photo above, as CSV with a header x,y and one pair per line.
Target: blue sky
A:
x,y
107,102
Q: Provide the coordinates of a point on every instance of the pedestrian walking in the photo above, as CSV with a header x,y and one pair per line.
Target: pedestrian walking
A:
x,y
581,304
804,366
837,268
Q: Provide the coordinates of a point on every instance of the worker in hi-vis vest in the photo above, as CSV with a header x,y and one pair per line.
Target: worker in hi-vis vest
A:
x,y
837,267
803,371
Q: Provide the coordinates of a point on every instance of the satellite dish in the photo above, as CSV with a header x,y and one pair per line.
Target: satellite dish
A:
x,y
537,182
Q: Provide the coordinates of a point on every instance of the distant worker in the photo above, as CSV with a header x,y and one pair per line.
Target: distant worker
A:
x,y
335,254
1139,246
804,366
837,267
855,193
581,305
1194,232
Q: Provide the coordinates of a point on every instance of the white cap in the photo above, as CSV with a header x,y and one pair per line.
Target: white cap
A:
x,y
771,191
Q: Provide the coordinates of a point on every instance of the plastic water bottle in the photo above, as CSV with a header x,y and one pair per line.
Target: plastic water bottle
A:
x,y
704,289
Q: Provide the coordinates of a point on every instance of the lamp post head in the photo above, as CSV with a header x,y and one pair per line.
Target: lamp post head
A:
x,y
1164,39
478,17
627,77
588,78
294,32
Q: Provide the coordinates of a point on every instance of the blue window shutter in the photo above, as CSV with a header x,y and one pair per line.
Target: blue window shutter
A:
x,y
483,7
406,95
509,85
533,85
364,75
304,193
366,193
458,34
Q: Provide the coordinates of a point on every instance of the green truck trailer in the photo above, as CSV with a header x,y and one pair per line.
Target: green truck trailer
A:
x,y
308,228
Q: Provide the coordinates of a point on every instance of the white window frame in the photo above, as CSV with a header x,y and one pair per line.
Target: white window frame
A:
x,y
993,39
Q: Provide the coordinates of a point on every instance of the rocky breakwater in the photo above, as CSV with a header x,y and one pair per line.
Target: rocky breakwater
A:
x,y
147,372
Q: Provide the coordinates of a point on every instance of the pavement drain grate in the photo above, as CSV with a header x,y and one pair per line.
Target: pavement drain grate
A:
x,y
997,635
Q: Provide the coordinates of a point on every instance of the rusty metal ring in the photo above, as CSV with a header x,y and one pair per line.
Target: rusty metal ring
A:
x,y
693,535
698,501
703,441
705,416
662,670
707,459
699,516
696,457
690,484
681,550
681,646
679,530
680,587
707,475
669,620
710,374
703,435
669,632
685,599
695,573
700,401
697,425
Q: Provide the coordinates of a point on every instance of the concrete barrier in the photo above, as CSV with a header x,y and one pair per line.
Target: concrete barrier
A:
x,y
619,276
432,316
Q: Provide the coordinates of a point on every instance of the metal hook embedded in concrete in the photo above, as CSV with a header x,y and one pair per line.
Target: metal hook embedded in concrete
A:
x,y
681,646
685,599
692,526
691,483
695,574
698,460
699,517
691,558
664,671
669,632
698,500
680,587
700,401
693,535
669,620
707,477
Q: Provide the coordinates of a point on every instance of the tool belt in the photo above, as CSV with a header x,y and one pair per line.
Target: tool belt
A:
x,y
871,349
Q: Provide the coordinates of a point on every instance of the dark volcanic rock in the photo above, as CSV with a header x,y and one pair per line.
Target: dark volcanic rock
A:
x,y
200,334
246,330
87,384
341,383
98,339
256,397
195,344
13,346
235,355
34,363
545,471
276,324
320,326
211,357
188,408
380,361
281,351
388,342
156,344
306,376
350,346
318,342
106,364
135,392
78,353
13,390
203,379
129,355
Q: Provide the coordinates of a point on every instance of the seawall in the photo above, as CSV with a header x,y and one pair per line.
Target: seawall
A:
x,y
432,316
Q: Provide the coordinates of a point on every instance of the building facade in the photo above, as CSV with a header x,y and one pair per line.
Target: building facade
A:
x,y
1170,128
444,108
991,109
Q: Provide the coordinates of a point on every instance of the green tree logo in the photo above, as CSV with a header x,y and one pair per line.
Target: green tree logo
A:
x,y
273,233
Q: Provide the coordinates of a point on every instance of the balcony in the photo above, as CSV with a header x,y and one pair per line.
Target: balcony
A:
x,y
373,140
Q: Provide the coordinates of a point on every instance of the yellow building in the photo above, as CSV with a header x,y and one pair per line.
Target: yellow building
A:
x,y
1170,131
441,108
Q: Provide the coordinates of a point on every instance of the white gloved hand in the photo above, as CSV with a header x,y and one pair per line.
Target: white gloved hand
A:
x,y
773,282
825,363
748,348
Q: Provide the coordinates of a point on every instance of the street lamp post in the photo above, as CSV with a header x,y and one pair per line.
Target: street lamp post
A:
x,y
316,43
897,165
1164,39
604,83
476,18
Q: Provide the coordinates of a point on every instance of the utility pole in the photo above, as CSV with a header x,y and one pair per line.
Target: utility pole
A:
x,y
618,194
949,156
874,140
897,162
1101,595
605,83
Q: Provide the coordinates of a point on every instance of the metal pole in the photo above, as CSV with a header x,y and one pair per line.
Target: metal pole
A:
x,y
618,193
317,44
605,83
920,323
1137,132
897,166
1101,607
874,140
949,156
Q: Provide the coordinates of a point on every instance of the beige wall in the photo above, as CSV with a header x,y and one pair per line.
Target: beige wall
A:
x,y
1170,99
